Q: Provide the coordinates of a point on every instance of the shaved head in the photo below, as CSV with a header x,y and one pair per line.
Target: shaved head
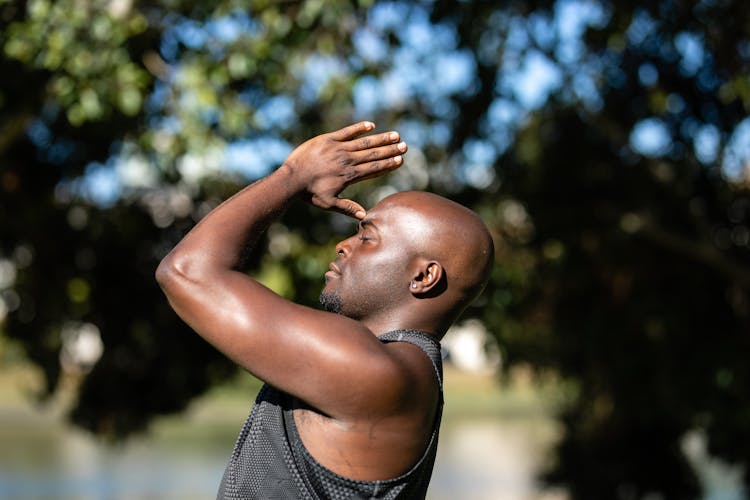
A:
x,y
451,234
417,261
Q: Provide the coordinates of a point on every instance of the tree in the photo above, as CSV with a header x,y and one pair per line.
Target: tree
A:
x,y
152,92
605,144
628,261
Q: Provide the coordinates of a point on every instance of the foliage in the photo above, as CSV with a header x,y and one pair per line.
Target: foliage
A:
x,y
109,88
605,144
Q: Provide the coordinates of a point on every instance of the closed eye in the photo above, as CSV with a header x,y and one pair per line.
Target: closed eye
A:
x,y
365,228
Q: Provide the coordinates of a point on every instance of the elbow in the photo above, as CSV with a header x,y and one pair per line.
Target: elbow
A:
x,y
167,273
173,272
164,272
184,273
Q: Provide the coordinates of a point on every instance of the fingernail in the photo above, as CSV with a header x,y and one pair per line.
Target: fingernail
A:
x,y
393,136
360,214
401,146
369,125
397,159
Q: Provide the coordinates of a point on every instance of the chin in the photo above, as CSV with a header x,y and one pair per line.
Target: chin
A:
x,y
331,301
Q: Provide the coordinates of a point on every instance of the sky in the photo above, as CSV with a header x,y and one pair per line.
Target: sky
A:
x,y
527,79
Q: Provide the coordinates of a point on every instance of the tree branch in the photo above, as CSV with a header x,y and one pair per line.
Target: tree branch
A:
x,y
703,252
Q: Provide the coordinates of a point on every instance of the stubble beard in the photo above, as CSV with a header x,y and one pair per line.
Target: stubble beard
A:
x,y
331,302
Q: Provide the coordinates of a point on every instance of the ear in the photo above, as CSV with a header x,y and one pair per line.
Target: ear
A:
x,y
428,279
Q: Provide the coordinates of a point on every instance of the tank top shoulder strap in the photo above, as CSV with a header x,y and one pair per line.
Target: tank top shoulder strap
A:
x,y
428,343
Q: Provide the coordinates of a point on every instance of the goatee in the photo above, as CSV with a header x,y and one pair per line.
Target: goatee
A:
x,y
331,302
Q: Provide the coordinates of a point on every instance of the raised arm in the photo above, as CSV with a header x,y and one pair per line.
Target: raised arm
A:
x,y
322,358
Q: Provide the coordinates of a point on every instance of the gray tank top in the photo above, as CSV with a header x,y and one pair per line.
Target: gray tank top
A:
x,y
269,461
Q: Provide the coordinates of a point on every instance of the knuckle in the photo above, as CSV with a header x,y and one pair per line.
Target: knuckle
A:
x,y
346,161
366,142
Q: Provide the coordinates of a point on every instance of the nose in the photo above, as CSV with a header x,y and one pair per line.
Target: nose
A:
x,y
343,248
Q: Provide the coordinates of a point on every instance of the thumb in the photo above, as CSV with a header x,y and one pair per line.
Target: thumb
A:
x,y
348,207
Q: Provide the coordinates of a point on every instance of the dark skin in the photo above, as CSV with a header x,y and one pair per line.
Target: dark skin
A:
x,y
364,409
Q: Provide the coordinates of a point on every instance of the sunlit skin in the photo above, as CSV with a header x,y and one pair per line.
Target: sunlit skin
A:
x,y
365,409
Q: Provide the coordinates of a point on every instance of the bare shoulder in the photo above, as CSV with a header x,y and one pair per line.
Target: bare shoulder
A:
x,y
389,433
419,384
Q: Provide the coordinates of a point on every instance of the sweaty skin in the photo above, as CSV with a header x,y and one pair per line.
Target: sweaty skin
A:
x,y
364,408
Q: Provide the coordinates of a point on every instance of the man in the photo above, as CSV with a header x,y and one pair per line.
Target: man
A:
x,y
352,402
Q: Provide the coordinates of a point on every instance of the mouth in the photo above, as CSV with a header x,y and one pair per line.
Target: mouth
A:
x,y
333,271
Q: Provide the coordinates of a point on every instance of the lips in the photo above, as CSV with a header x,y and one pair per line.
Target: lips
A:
x,y
333,272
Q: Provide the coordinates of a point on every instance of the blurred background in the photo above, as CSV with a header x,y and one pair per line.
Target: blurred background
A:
x,y
605,143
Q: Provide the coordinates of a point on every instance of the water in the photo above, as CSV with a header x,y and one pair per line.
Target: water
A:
x,y
478,459
42,459
492,446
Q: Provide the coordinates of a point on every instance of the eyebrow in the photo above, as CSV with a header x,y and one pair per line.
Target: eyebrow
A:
x,y
363,223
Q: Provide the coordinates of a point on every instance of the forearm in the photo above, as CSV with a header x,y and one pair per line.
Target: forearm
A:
x,y
222,238
200,276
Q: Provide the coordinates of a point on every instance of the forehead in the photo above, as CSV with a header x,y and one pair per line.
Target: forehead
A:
x,y
396,217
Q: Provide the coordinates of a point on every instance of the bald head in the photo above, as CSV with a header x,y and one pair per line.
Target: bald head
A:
x,y
449,233
416,262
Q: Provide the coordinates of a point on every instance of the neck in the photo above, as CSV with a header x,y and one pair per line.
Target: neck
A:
x,y
380,324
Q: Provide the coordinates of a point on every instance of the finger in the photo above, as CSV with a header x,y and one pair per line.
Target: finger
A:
x,y
377,168
348,207
379,153
352,131
372,141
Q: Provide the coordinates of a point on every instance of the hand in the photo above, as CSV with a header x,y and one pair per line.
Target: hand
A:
x,y
328,163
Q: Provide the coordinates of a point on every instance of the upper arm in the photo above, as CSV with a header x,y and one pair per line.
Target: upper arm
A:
x,y
331,362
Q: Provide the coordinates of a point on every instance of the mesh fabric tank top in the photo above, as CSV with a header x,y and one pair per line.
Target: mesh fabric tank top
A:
x,y
269,461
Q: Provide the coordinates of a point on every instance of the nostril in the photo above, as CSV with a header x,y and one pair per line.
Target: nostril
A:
x,y
342,248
